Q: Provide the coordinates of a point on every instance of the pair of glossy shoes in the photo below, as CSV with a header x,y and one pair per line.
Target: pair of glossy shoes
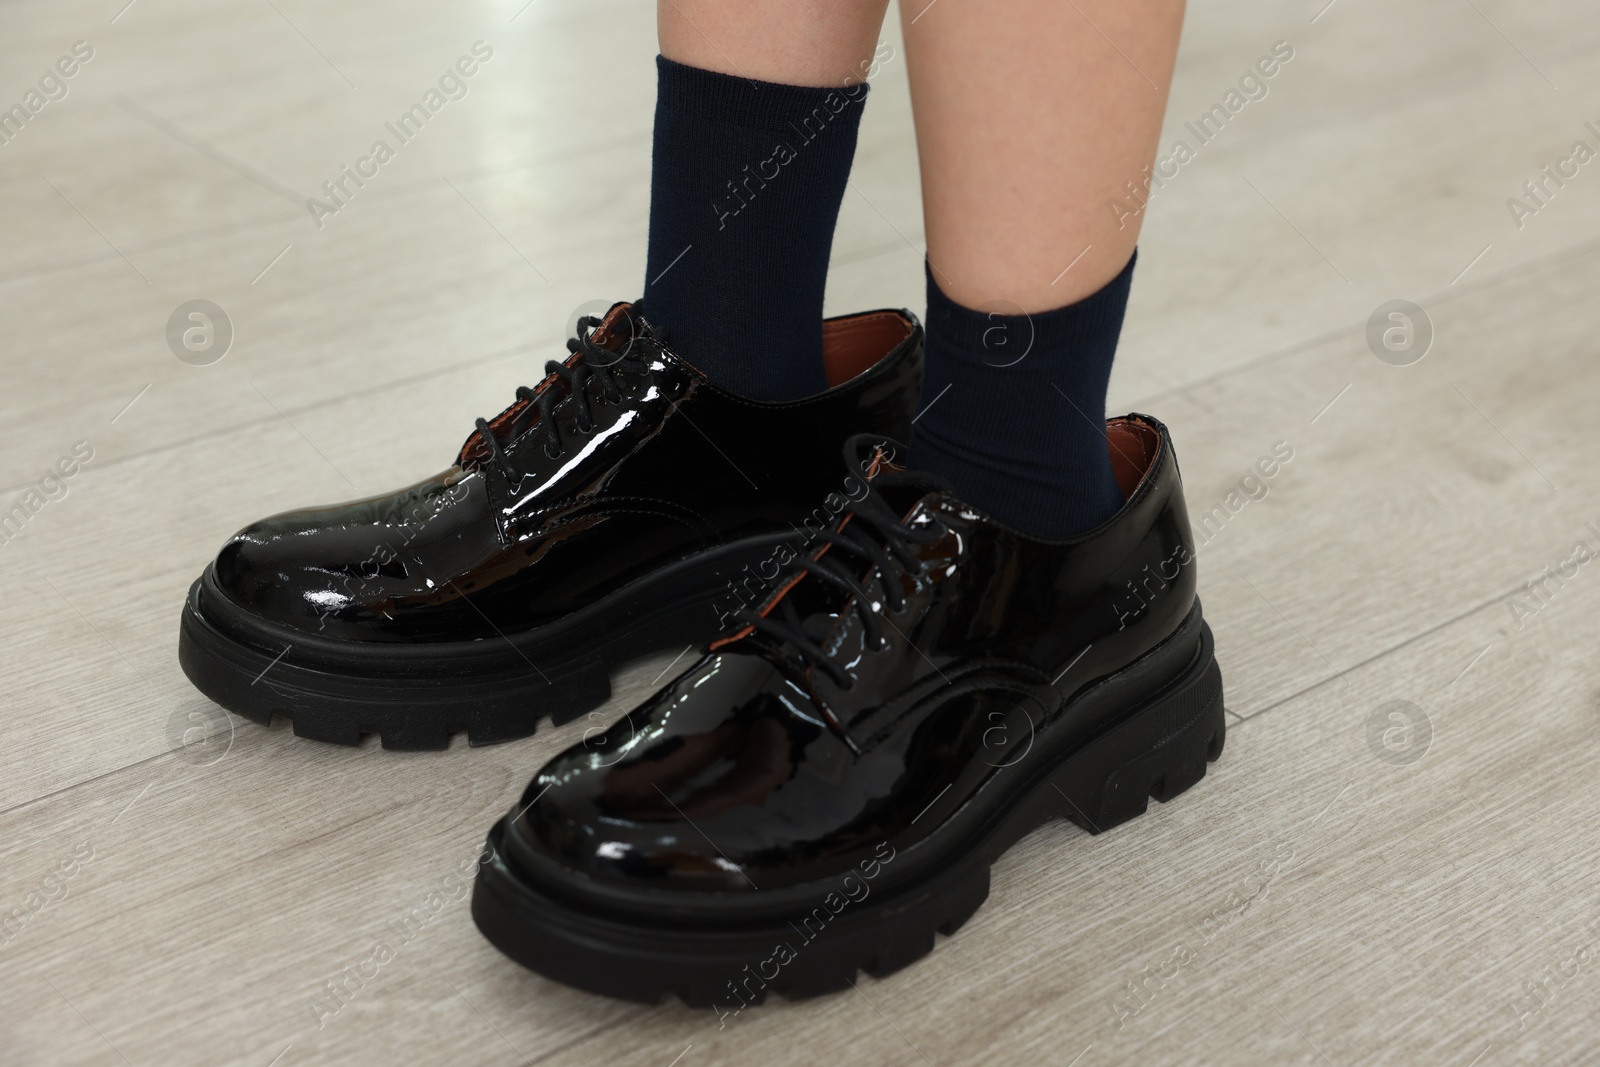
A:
x,y
891,687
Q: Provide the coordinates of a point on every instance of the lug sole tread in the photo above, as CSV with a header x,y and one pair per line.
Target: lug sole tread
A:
x,y
411,715
1194,729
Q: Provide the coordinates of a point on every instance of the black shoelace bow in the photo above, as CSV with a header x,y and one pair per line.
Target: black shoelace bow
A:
x,y
596,362
875,535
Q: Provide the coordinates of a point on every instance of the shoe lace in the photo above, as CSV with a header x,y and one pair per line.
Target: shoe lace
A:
x,y
873,533
594,361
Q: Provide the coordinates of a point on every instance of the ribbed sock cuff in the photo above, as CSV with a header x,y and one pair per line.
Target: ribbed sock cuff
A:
x,y
743,102
986,336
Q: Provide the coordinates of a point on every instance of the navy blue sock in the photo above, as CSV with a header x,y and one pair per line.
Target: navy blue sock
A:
x,y
1014,407
745,186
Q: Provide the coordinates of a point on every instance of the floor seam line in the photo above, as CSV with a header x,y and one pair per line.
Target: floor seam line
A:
x,y
1380,655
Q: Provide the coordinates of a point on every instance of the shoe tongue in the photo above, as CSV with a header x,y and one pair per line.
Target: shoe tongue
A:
x,y
882,462
620,325
902,490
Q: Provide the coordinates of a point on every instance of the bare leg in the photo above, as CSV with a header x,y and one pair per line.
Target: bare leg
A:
x,y
820,43
1030,117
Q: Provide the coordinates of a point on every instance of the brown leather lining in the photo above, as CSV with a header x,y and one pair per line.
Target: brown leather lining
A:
x,y
882,461
1133,445
851,345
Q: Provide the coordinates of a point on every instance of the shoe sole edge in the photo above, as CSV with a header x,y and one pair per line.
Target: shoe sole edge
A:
x,y
419,696
1160,749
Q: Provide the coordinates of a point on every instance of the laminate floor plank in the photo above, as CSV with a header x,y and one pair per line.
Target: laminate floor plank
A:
x,y
1395,851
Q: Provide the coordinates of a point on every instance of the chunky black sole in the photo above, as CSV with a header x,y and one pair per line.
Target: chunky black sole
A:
x,y
416,696
1172,726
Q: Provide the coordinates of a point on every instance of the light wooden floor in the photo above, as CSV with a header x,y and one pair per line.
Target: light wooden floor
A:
x,y
1319,898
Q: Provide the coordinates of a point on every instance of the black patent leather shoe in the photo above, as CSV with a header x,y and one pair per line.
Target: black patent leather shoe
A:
x,y
625,506
827,788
